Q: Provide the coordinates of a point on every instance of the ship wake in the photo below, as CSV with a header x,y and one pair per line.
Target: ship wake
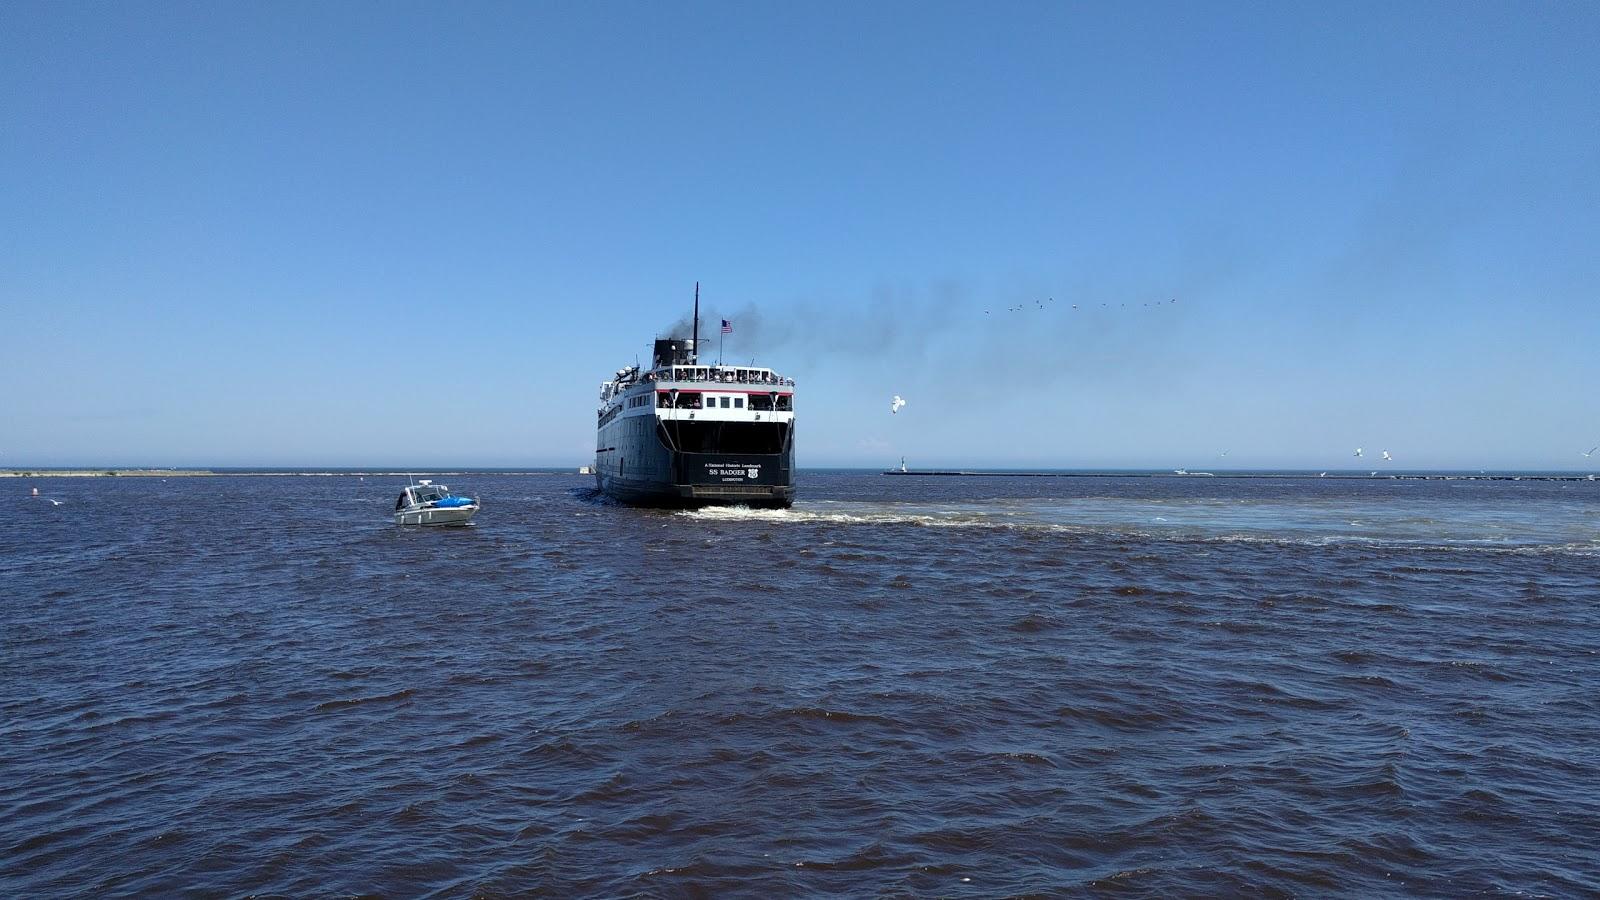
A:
x,y
1198,522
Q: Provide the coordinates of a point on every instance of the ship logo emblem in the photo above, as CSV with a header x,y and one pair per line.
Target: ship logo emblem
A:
x,y
753,472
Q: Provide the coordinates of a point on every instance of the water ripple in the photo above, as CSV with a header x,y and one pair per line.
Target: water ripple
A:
x,y
897,687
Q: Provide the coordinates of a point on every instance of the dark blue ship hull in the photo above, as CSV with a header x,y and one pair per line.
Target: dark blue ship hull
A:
x,y
645,462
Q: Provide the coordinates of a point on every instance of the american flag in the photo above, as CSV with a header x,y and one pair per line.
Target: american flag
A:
x,y
727,327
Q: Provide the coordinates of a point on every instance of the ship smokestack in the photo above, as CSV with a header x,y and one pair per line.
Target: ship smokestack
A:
x,y
671,352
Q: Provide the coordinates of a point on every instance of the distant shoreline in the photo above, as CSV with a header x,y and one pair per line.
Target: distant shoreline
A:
x,y
261,473
1345,475
572,471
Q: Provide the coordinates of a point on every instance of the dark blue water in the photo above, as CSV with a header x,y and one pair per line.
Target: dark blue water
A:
x,y
953,687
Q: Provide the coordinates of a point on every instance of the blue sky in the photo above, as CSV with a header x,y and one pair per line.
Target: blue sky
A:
x,y
351,234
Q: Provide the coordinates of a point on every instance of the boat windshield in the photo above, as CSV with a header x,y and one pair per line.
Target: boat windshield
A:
x,y
429,494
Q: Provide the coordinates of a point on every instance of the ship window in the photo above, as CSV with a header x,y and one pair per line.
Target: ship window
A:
x,y
760,401
726,402
738,403
785,402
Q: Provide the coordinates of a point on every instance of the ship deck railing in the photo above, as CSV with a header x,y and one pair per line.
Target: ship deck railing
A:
x,y
774,381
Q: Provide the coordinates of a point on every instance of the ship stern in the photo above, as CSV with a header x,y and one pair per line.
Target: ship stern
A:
x,y
763,480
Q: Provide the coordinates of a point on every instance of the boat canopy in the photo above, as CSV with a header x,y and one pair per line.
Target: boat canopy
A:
x,y
418,494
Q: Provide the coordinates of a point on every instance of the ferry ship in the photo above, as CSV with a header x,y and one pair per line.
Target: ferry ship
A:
x,y
687,434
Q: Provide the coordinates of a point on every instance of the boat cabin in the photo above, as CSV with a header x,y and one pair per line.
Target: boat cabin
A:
x,y
423,493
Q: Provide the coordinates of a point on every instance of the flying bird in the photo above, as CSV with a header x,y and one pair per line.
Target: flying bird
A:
x,y
1387,457
895,404
1358,451
1590,452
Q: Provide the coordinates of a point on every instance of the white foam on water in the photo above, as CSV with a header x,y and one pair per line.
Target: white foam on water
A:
x,y
1202,522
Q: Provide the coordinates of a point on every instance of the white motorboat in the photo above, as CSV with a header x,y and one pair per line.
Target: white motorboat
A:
x,y
426,503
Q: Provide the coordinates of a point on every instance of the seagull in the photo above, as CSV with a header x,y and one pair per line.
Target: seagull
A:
x,y
1590,452
53,501
895,404
1387,457
1358,451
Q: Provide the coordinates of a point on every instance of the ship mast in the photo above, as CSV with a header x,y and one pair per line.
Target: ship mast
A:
x,y
696,345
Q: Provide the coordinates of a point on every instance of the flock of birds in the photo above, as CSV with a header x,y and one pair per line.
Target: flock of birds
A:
x,y
898,403
1042,304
